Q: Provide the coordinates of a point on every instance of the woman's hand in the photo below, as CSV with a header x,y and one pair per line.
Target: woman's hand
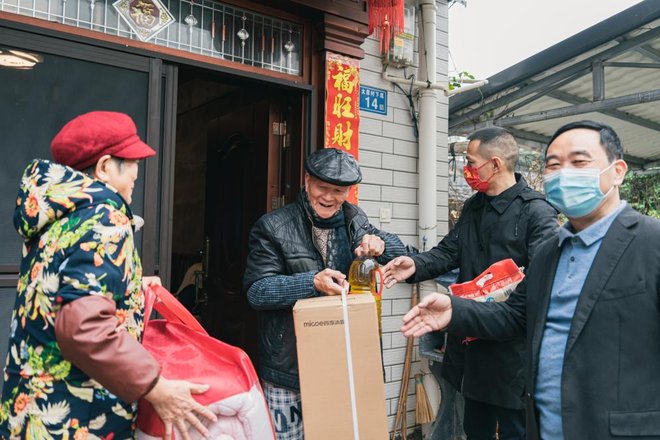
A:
x,y
150,281
173,401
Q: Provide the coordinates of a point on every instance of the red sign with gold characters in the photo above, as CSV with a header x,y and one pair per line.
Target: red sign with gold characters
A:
x,y
342,106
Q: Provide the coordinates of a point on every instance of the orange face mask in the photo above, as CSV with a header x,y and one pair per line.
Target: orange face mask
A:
x,y
472,178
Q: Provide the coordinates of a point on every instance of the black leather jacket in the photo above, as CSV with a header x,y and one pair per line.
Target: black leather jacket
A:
x,y
283,251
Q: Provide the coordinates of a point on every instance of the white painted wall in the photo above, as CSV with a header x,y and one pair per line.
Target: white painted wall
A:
x,y
388,158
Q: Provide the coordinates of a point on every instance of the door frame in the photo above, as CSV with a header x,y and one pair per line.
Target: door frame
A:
x,y
28,40
160,240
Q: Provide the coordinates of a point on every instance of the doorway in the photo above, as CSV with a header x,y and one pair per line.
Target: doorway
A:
x,y
238,155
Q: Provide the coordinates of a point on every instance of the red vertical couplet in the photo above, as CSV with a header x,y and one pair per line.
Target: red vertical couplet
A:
x,y
342,107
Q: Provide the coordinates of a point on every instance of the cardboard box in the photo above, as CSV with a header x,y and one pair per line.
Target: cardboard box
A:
x,y
326,399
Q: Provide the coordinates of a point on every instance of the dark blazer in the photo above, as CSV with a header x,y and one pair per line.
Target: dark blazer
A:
x,y
611,373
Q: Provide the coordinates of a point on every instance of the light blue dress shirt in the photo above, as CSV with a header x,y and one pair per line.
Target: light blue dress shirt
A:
x,y
577,255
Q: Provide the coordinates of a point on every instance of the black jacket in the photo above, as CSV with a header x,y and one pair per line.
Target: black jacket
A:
x,y
609,382
282,249
510,225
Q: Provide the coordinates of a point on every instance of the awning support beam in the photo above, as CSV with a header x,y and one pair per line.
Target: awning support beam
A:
x,y
620,101
633,65
562,112
581,68
649,52
615,113
531,99
598,80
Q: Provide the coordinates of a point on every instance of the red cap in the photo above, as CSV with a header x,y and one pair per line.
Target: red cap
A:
x,y
88,137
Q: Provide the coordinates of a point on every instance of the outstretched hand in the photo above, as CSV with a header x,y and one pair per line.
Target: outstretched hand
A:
x,y
399,269
433,313
173,401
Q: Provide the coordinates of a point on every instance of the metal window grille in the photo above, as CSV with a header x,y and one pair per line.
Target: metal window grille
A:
x,y
201,27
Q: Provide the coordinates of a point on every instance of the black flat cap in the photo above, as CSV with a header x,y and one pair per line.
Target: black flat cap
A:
x,y
333,166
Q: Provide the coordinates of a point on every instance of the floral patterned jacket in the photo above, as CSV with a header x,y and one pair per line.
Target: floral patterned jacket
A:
x,y
78,241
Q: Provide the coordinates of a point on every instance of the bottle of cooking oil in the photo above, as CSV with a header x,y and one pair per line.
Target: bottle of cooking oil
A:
x,y
362,279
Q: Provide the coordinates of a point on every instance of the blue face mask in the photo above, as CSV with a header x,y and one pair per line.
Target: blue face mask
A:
x,y
575,191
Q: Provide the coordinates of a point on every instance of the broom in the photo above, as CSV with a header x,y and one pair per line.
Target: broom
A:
x,y
400,419
423,412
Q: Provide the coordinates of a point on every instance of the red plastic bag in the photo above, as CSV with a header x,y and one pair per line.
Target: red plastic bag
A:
x,y
186,352
494,284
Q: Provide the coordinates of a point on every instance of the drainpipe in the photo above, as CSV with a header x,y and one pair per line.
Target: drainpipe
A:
x,y
427,161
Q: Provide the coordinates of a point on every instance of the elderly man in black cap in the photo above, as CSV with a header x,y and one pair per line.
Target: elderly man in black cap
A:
x,y
301,251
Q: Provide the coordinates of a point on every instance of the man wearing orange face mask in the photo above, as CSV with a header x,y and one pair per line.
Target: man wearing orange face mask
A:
x,y
504,219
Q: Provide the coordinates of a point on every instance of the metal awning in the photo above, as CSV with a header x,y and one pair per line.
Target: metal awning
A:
x,y
609,72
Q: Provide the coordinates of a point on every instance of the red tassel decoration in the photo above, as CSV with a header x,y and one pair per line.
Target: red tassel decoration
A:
x,y
385,18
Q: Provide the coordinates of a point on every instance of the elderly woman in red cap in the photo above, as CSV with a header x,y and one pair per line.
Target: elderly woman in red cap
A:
x,y
75,367
303,250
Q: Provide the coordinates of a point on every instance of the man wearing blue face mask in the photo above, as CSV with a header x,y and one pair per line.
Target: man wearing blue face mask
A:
x,y
590,303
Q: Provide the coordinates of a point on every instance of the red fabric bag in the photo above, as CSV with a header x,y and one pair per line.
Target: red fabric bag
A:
x,y
186,352
494,284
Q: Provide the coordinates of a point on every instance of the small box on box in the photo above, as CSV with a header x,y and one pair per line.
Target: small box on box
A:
x,y
322,364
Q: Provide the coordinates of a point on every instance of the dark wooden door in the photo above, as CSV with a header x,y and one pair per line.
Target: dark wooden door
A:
x,y
253,167
236,182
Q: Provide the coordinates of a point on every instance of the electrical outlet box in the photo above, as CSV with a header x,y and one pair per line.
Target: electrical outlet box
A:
x,y
402,44
385,215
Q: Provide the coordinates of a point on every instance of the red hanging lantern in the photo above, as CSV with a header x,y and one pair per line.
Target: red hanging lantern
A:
x,y
385,18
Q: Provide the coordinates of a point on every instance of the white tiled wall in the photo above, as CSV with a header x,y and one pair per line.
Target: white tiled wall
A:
x,y
388,158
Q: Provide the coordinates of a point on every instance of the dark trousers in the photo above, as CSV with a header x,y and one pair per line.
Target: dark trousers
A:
x,y
481,420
